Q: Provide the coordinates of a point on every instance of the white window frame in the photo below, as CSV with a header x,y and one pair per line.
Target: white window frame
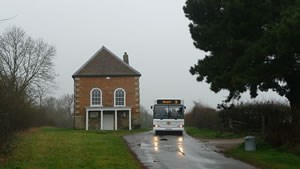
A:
x,y
91,97
123,98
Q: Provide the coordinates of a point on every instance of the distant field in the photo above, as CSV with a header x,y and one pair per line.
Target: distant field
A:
x,y
53,148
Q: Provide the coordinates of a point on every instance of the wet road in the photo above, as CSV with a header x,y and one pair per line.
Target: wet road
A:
x,y
178,152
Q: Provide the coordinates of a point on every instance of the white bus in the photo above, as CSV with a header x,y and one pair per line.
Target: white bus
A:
x,y
168,115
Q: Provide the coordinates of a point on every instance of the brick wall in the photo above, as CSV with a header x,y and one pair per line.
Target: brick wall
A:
x,y
83,86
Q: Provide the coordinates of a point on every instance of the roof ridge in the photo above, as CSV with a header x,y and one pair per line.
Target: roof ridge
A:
x,y
122,61
112,54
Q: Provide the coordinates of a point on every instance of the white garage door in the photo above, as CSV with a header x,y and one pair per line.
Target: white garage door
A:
x,y
108,121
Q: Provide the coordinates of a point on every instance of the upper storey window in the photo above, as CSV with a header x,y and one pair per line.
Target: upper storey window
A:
x,y
96,97
120,97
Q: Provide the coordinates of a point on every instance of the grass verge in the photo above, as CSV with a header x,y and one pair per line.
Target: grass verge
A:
x,y
266,158
51,148
202,133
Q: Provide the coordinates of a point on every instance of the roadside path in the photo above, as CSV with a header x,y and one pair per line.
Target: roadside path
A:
x,y
221,145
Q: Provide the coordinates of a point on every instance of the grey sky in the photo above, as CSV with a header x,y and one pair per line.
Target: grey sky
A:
x,y
154,33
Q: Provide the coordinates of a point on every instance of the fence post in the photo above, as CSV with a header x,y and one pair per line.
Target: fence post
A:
x,y
263,126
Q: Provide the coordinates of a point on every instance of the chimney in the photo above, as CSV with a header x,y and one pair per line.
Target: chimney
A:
x,y
125,58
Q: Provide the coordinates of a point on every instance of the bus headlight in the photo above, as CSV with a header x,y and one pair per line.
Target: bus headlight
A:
x,y
156,125
181,126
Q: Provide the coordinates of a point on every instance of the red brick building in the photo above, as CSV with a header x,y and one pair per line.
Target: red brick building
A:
x,y
106,93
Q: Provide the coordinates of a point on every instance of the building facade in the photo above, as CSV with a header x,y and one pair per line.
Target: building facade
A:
x,y
106,93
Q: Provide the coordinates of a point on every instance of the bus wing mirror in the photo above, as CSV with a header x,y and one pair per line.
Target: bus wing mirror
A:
x,y
151,107
184,107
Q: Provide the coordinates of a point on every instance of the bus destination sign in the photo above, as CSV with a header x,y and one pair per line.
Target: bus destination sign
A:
x,y
168,101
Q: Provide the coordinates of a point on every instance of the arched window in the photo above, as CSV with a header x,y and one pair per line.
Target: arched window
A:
x,y
96,97
120,97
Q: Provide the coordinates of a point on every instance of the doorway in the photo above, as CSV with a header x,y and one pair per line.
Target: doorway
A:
x,y
108,121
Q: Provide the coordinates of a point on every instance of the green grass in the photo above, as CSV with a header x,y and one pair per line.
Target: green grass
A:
x,y
267,158
209,134
66,148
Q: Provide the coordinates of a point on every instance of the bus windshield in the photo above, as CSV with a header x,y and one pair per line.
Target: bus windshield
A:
x,y
168,112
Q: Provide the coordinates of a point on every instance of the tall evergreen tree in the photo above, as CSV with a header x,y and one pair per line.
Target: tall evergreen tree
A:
x,y
252,45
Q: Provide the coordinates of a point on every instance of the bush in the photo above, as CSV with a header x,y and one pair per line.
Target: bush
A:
x,y
17,113
255,116
202,116
5,132
271,119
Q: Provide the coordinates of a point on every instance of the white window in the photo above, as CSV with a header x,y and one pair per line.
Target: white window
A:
x,y
120,97
93,114
96,97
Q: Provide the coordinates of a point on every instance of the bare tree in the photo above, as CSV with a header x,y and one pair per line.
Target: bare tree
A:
x,y
58,111
6,19
25,63
65,103
146,118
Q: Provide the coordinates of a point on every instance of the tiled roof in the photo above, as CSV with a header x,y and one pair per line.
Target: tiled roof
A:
x,y
105,63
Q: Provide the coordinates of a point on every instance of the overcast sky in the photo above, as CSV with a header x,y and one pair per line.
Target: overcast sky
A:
x,y
154,33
